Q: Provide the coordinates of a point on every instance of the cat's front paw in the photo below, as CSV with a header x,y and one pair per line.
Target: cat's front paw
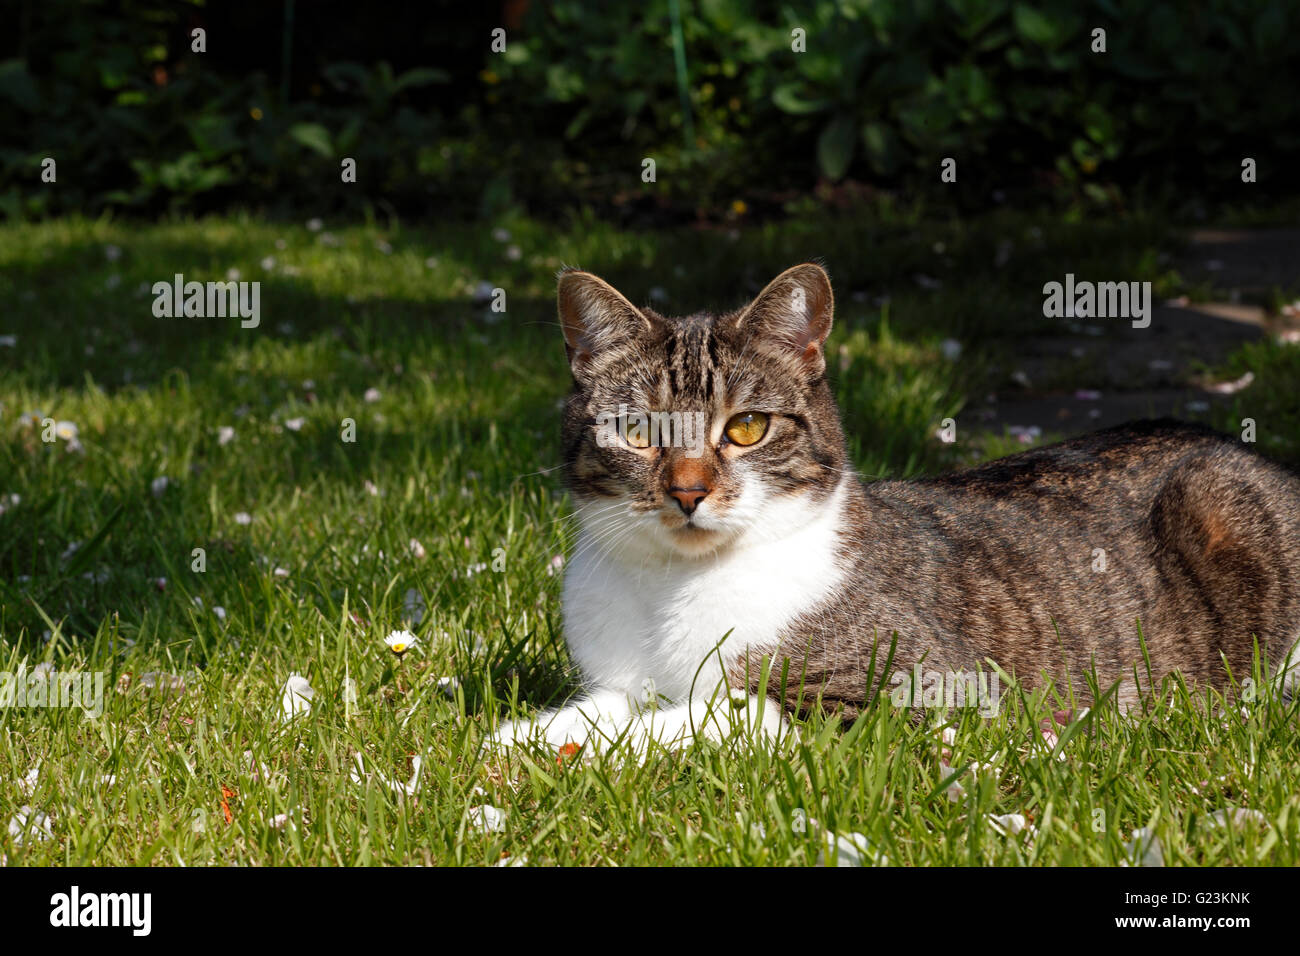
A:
x,y
514,733
552,730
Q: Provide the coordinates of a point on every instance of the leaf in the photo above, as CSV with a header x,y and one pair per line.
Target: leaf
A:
x,y
79,560
788,98
974,15
314,136
1036,27
835,146
1270,27
421,76
341,75
16,85
350,135
882,148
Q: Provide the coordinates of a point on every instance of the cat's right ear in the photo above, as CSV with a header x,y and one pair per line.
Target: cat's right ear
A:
x,y
595,317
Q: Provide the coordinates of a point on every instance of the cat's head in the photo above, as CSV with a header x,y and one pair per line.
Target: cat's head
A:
x,y
686,436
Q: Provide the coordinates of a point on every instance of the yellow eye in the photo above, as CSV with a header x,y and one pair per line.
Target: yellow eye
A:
x,y
746,428
636,431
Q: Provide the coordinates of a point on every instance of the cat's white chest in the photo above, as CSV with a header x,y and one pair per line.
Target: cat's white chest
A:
x,y
650,627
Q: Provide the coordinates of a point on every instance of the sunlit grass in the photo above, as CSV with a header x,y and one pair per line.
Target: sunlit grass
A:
x,y
445,516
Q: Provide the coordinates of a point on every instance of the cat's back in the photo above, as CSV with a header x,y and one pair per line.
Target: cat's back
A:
x,y
1172,524
1116,473
1132,458
1105,486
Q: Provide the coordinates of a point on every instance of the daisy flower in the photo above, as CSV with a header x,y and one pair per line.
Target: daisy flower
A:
x,y
400,642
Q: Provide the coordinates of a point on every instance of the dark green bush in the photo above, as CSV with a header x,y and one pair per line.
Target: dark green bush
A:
x,y
712,90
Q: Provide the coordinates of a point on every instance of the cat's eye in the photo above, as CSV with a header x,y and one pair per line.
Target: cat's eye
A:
x,y
635,433
746,428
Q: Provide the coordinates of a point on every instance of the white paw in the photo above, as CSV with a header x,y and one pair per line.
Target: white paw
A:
x,y
598,724
513,733
553,729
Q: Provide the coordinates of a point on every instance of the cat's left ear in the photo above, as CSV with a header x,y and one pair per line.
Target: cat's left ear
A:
x,y
792,316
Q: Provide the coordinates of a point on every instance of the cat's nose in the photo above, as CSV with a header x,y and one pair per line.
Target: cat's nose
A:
x,y
688,499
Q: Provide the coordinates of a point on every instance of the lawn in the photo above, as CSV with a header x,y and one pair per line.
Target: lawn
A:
x,y
200,530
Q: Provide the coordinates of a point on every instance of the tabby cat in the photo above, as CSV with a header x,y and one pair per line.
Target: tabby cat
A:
x,y
698,560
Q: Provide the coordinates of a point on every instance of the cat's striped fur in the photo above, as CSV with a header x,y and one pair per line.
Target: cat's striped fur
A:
x,y
1050,562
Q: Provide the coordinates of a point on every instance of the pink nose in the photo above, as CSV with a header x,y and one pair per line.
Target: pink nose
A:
x,y
688,499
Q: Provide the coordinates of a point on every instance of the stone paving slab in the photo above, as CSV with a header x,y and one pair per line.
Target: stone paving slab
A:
x,y
1123,373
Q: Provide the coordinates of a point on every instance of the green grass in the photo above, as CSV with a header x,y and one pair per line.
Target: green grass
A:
x,y
458,451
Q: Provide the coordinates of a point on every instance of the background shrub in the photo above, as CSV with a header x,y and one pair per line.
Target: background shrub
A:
x,y
711,89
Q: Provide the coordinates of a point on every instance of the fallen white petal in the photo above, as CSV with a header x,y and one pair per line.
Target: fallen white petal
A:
x,y
29,823
27,785
1237,817
1144,849
1231,388
296,699
850,849
487,818
1009,824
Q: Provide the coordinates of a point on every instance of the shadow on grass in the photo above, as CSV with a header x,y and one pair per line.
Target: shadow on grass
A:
x,y
483,400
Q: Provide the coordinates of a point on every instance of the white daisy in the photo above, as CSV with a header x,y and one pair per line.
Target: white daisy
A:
x,y
400,641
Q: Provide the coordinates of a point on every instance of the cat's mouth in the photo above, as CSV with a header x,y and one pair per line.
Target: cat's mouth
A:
x,y
690,537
